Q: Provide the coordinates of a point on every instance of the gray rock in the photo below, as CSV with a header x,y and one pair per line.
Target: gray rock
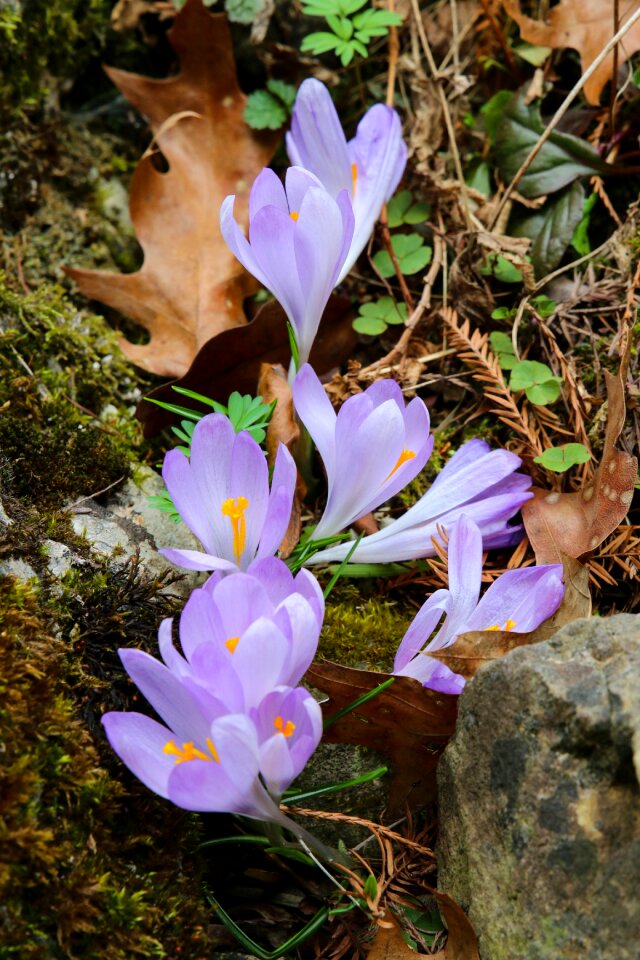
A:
x,y
16,567
5,519
540,800
59,557
129,524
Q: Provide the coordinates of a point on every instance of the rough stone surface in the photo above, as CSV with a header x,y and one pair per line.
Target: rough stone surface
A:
x,y
540,801
16,567
129,523
59,557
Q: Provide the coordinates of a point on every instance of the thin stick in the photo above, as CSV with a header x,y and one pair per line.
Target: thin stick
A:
x,y
560,112
369,824
394,51
435,73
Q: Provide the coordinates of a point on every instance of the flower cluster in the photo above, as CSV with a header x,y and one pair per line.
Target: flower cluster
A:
x,y
235,726
236,729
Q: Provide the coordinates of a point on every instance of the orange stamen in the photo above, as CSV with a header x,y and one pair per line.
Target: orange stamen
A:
x,y
286,729
403,458
354,175
234,509
509,625
294,215
232,643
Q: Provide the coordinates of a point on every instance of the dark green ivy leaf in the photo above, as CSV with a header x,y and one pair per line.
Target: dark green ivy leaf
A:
x,y
562,159
552,228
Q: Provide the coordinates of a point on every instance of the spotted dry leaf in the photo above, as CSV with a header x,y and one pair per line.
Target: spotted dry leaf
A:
x,y
586,26
190,286
576,523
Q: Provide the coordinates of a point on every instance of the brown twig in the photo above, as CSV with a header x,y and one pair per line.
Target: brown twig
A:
x,y
359,821
394,51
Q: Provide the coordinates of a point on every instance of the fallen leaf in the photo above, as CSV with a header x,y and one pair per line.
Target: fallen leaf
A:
x,y
126,14
462,943
585,26
190,286
283,428
576,523
407,722
232,359
473,649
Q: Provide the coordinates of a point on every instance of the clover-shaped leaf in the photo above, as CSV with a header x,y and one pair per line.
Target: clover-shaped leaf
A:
x,y
503,348
536,379
401,209
376,315
562,458
497,266
410,251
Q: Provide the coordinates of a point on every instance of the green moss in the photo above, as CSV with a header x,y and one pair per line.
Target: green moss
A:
x,y
89,867
44,42
59,370
360,631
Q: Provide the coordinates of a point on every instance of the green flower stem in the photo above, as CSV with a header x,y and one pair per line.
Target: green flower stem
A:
x,y
334,788
358,703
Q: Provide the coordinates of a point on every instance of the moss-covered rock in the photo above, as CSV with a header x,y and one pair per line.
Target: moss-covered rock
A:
x,y
91,865
361,631
66,428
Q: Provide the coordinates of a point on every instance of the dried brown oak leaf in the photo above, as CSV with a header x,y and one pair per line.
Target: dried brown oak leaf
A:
x,y
406,722
190,286
473,649
576,523
232,359
585,26
462,943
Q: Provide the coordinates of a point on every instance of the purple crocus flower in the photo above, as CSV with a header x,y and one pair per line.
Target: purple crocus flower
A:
x,y
518,600
369,167
298,240
222,493
371,449
477,481
289,726
241,638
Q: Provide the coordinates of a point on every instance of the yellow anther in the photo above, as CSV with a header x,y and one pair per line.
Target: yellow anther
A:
x,y
354,175
286,729
232,643
234,509
213,751
509,625
404,456
294,215
188,751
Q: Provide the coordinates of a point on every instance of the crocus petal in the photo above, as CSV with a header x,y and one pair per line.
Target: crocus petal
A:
x,y
200,622
166,694
320,237
238,243
464,563
272,242
249,478
183,488
420,630
238,600
278,511
195,560
261,660
297,619
212,451
267,191
317,141
379,155
527,597
316,412
139,742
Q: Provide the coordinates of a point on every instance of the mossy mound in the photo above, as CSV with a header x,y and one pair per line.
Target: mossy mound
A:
x,y
44,42
361,631
88,867
66,428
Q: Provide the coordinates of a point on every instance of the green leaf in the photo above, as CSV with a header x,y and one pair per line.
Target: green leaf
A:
x,y
503,349
243,11
491,113
341,26
561,160
580,239
283,91
562,458
497,266
527,373
263,111
411,253
478,177
401,209
544,306
536,56
371,887
503,313
536,379
320,42
370,326
162,501
561,216
322,8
